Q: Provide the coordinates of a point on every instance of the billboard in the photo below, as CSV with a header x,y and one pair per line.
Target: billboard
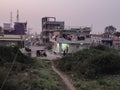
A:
x,y
19,29
7,26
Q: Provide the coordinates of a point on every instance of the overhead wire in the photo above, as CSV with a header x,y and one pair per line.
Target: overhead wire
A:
x,y
14,59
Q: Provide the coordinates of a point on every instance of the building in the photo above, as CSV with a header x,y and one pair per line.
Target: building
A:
x,y
108,35
49,24
96,39
116,43
15,35
71,40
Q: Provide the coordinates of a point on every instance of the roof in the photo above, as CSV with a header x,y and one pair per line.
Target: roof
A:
x,y
96,35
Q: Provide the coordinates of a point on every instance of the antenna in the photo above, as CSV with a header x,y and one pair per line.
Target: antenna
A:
x,y
17,15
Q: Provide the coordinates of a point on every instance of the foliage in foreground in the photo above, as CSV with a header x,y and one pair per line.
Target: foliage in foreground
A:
x,y
97,68
27,73
109,82
91,63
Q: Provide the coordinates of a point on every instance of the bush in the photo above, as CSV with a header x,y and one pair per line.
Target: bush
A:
x,y
27,73
7,54
91,63
12,84
101,47
3,74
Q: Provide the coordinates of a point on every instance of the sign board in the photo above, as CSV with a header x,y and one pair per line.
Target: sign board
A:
x,y
7,26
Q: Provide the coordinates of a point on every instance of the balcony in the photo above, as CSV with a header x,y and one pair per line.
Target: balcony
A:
x,y
107,39
62,40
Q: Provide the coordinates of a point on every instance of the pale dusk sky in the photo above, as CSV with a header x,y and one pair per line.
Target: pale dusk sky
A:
x,y
96,13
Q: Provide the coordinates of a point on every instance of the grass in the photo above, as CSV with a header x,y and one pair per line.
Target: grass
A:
x,y
39,77
104,83
27,73
93,69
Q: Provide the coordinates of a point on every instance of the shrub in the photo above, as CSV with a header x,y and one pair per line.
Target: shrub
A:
x,y
91,63
3,73
7,54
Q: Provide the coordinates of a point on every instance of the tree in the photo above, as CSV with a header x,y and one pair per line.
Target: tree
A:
x,y
110,29
117,34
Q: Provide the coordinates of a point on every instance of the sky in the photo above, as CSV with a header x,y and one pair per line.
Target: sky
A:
x,y
95,13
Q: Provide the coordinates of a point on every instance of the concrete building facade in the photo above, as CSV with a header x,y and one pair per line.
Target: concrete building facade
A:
x,y
49,24
96,39
71,40
108,35
14,36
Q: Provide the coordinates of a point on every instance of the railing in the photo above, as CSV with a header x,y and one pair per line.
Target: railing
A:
x,y
109,39
62,40
78,28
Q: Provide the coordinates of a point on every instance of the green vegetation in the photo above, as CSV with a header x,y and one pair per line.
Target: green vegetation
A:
x,y
117,34
27,73
96,68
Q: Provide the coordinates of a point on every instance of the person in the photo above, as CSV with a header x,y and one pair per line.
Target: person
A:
x,y
38,53
44,54
66,49
64,53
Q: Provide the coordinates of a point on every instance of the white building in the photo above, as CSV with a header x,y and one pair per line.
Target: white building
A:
x,y
71,40
96,39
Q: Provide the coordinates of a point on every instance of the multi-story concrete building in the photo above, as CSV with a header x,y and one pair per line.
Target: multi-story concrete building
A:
x,y
14,36
96,39
116,43
71,40
108,35
49,24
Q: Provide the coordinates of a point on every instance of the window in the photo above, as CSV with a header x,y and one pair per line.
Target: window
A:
x,y
81,38
87,36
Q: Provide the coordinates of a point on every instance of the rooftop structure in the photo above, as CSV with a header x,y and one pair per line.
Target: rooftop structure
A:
x,y
19,29
72,40
49,24
15,35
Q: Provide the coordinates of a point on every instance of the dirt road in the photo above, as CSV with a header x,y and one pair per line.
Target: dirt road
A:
x,y
52,57
64,77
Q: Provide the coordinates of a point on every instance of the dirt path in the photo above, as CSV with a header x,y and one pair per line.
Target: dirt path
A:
x,y
52,57
64,78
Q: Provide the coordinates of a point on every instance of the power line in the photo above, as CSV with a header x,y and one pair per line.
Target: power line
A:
x,y
9,71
